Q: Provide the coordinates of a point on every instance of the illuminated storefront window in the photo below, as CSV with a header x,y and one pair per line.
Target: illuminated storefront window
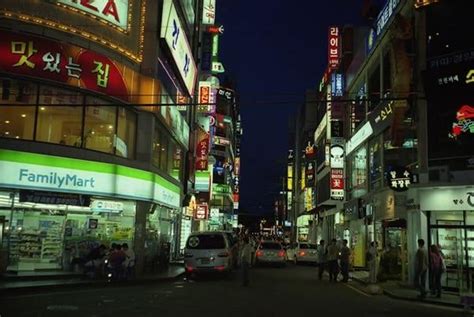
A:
x,y
375,163
65,117
359,172
99,128
59,116
16,118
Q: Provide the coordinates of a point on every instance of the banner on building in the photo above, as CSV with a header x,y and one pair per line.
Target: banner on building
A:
x,y
310,174
337,151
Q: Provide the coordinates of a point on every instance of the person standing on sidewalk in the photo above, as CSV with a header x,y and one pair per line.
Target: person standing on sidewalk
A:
x,y
333,254
436,270
344,260
246,259
371,258
322,258
421,268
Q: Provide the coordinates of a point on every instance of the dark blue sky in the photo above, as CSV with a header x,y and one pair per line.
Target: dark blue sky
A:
x,y
274,50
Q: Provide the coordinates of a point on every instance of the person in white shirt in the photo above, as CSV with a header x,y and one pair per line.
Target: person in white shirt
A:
x,y
246,260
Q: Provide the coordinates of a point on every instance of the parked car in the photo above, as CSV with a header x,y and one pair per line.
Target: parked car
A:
x,y
270,252
209,252
303,252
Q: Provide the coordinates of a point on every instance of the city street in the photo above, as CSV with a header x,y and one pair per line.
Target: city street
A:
x,y
290,291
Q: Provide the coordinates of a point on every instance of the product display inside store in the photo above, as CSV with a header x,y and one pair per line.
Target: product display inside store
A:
x,y
48,236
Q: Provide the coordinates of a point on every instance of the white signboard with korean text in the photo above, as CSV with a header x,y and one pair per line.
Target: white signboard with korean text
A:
x,y
112,11
454,198
209,12
175,36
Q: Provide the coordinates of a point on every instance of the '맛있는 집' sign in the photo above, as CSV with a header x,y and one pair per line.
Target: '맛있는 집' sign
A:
x,y
38,57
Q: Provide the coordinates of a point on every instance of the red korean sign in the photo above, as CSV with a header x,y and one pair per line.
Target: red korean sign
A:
x,y
202,212
333,47
337,183
202,150
41,58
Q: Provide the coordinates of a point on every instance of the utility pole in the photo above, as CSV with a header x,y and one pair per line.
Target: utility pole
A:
x,y
296,175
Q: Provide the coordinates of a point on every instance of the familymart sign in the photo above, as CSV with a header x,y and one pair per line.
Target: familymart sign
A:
x,y
45,172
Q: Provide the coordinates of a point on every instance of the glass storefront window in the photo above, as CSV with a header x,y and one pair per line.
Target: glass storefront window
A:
x,y
17,121
375,163
59,116
126,137
100,126
54,237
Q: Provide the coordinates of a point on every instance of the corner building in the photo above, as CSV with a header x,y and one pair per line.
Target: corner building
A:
x,y
93,149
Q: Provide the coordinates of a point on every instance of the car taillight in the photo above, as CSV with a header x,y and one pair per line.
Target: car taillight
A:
x,y
223,254
259,253
220,268
189,268
302,253
281,253
188,255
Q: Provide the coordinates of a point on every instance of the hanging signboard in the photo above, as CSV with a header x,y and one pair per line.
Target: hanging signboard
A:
x,y
337,183
201,212
202,151
209,12
175,37
333,49
400,179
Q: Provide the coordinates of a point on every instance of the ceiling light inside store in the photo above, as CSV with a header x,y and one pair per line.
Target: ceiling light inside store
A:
x,y
23,115
42,108
111,126
7,133
7,121
17,137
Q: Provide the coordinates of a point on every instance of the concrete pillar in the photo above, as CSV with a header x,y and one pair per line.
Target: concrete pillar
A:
x,y
140,234
417,228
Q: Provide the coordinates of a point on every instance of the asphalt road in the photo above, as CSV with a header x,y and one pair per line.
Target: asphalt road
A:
x,y
291,291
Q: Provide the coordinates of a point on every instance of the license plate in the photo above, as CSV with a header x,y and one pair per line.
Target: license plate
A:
x,y
205,261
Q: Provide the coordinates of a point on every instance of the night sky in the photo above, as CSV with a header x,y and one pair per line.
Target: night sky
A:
x,y
274,50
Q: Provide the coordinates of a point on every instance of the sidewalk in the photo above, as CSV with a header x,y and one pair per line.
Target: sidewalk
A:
x,y
398,290
9,285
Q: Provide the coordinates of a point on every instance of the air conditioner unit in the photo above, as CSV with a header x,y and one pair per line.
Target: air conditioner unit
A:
x,y
439,173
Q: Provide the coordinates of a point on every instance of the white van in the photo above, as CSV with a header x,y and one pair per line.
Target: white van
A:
x,y
209,252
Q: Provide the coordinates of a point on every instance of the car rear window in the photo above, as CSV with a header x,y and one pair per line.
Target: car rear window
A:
x,y
269,245
206,241
308,246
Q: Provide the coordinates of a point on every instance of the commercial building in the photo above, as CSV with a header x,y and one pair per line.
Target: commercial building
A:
x,y
93,149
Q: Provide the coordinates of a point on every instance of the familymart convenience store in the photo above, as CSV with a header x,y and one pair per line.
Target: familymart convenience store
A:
x,y
54,209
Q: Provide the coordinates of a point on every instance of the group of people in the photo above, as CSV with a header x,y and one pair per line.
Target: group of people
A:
x,y
334,259
434,263
118,261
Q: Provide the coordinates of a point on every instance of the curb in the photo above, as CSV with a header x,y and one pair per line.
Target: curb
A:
x,y
6,292
411,299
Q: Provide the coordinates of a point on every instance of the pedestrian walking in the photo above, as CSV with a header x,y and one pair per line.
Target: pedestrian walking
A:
x,y
322,258
371,258
344,256
437,268
246,259
421,268
333,254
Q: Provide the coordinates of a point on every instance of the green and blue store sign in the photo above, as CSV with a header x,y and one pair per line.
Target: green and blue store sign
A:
x,y
45,172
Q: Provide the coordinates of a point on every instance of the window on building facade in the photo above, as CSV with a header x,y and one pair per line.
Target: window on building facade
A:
x,y
100,125
177,159
375,163
161,150
374,88
124,143
387,75
16,117
359,172
59,116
